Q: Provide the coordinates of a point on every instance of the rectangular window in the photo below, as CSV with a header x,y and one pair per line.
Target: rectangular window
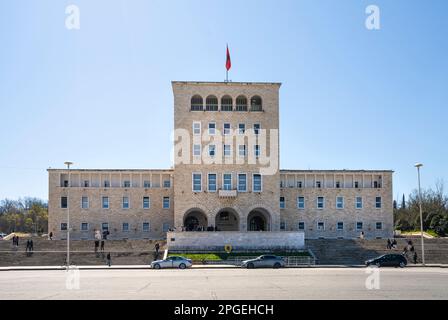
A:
x,y
66,183
146,184
282,225
257,183
242,182
257,128
196,128
146,203
85,202
64,202
167,184
227,150
106,184
282,202
212,128
339,202
301,225
257,150
359,225
378,202
105,202
299,184
86,183
165,227
318,184
358,203
356,184
242,150
196,150
211,150
84,226
227,181
226,128
126,184
338,184
63,226
320,226
125,202
340,226
105,226
241,128
166,202
197,182
212,182
300,202
320,202
125,227
145,227
379,225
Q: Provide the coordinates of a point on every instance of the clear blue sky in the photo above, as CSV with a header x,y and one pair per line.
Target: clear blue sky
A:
x,y
101,96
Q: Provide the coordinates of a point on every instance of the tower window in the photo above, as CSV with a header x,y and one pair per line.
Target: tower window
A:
x,y
197,103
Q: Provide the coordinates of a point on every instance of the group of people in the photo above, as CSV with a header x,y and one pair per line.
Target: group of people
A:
x,y
29,245
408,249
99,239
391,244
15,240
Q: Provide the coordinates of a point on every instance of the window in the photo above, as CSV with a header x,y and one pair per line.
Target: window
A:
x,y
320,226
166,227
242,182
257,183
85,202
227,181
64,202
125,227
145,227
227,150
86,183
300,202
196,150
338,184
125,202
241,128
378,202
63,226
242,150
282,225
126,184
197,183
212,182
147,184
226,129
211,103
301,225
211,150
241,103
320,202
340,226
257,150
359,225
84,226
379,225
146,203
166,202
339,202
105,202
66,183
166,183
358,203
318,184
196,128
282,202
257,128
105,226
197,103
356,184
212,128
106,184
299,184
255,104
226,103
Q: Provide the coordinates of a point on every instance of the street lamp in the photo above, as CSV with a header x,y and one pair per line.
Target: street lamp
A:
x,y
68,164
418,165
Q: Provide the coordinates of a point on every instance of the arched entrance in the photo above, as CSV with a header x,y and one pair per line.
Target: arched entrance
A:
x,y
227,219
259,220
195,220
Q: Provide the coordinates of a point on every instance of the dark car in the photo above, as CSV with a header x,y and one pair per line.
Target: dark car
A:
x,y
388,260
264,261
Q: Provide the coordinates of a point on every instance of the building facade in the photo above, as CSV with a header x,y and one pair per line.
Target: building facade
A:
x,y
225,177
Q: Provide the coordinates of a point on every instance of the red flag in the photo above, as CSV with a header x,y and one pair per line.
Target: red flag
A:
x,y
228,62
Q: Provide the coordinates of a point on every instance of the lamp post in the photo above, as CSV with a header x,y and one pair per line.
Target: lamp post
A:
x,y
418,165
68,164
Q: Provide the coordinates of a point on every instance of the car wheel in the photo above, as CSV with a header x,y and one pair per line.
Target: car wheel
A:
x,y
378,264
157,266
250,265
277,265
182,266
402,264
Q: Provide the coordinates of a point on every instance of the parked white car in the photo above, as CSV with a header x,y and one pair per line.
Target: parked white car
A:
x,y
172,262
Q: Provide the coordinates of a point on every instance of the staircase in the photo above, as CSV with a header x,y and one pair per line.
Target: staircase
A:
x,y
355,252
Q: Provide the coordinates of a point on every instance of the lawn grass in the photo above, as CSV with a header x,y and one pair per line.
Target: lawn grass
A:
x,y
214,256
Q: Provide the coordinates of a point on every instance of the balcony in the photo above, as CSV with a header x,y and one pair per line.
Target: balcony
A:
x,y
227,193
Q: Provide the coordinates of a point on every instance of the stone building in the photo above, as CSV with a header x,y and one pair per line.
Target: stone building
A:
x,y
226,177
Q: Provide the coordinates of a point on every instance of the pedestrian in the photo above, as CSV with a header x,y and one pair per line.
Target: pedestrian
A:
x,y
51,235
31,245
27,245
13,240
394,244
102,245
389,244
157,247
97,236
361,236
108,259
415,257
17,241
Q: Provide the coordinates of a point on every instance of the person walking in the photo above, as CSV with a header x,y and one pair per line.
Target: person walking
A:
x,y
31,245
415,257
389,244
51,235
27,245
97,239
108,259
17,241
14,240
361,236
102,245
157,247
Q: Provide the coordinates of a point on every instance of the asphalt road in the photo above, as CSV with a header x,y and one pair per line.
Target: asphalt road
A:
x,y
233,284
